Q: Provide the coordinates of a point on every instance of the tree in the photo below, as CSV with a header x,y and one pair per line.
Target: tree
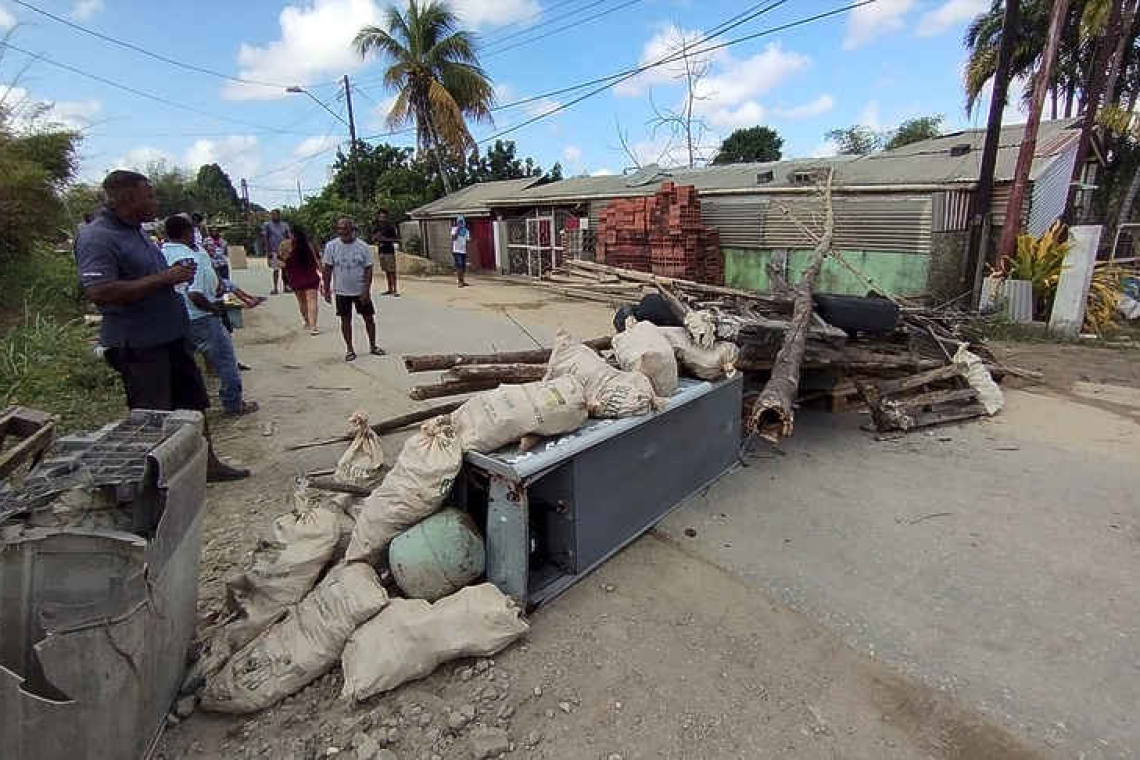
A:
x,y
35,165
750,145
214,193
856,140
173,188
915,130
435,74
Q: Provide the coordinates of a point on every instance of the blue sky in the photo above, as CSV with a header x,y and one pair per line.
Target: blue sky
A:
x,y
876,65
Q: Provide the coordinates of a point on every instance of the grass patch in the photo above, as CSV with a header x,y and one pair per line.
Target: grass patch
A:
x,y
47,358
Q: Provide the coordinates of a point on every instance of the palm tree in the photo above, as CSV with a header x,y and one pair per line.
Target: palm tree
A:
x,y
435,74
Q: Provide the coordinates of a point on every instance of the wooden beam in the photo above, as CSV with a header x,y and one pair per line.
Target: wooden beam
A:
x,y
437,362
503,373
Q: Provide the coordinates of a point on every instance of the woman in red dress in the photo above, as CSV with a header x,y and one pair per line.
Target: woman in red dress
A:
x,y
302,274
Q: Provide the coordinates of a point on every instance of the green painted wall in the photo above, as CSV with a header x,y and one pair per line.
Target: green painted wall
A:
x,y
900,274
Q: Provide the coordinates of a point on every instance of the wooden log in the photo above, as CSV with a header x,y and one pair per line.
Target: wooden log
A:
x,y
933,398
387,426
892,387
773,300
504,373
848,359
437,362
773,414
451,388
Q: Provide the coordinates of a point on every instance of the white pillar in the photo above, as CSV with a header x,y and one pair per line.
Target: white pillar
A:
x,y
1068,315
499,229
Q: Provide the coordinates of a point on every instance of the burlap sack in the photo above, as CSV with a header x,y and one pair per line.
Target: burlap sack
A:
x,y
701,328
300,648
610,392
411,638
642,348
706,364
495,418
414,488
362,463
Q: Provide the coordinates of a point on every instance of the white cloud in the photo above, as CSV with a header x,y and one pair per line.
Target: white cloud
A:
x,y
312,145
875,20
667,41
25,109
84,10
820,105
378,116
871,116
572,154
7,20
238,155
315,41
747,114
139,158
949,14
603,172
541,106
825,149
488,13
727,96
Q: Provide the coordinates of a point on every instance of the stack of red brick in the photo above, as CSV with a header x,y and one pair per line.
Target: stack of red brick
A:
x,y
661,234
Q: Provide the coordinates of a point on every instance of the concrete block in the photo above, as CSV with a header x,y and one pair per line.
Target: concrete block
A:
x,y
1068,314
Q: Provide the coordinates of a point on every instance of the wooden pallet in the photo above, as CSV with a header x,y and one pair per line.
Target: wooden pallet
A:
x,y
928,398
35,431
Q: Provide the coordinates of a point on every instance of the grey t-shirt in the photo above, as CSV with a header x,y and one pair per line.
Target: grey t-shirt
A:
x,y
109,250
349,262
274,233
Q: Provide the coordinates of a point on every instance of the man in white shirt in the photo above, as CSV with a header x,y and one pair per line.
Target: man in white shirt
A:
x,y
204,306
347,264
459,237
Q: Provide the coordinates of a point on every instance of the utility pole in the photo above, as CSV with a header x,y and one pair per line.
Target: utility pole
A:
x,y
300,198
976,248
1042,78
352,136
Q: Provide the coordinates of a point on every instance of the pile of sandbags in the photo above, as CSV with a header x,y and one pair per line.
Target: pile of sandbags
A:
x,y
363,462
609,392
713,363
642,348
492,419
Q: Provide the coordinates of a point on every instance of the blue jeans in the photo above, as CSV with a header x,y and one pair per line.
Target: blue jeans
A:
x,y
209,336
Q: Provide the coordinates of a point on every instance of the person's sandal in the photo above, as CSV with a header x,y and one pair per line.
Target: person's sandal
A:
x,y
350,356
223,473
377,351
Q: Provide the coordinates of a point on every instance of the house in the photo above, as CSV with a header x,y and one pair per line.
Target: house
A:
x,y
900,215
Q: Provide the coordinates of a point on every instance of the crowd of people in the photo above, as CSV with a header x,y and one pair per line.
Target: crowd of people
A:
x,y
162,295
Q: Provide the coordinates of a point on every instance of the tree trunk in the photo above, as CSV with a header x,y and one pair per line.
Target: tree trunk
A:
x,y
436,362
1053,102
1095,86
773,416
451,388
1012,226
1125,211
1117,61
503,373
1069,101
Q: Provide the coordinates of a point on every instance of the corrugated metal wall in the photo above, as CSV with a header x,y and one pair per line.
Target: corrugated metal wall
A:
x,y
738,220
951,211
1050,191
999,201
896,223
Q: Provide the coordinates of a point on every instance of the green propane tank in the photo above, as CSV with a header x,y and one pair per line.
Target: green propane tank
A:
x,y
437,556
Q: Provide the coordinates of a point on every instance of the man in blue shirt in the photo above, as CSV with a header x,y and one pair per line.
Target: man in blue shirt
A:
x,y
204,306
145,324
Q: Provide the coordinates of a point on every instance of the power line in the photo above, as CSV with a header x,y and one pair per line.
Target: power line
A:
x,y
552,32
133,91
488,44
498,36
635,72
144,51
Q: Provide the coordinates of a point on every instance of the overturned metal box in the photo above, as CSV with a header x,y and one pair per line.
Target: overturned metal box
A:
x,y
99,551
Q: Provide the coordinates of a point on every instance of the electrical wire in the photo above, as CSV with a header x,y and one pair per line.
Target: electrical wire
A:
x,y
700,51
141,93
144,51
492,43
575,25
498,36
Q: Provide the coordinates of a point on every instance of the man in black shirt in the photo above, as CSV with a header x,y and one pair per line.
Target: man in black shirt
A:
x,y
384,237
145,326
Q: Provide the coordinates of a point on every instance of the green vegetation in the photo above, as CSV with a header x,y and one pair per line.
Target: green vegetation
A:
x,y
916,130
47,358
754,144
856,140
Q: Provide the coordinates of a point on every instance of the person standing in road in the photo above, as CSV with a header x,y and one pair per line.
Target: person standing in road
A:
x,y
272,234
204,307
385,235
348,272
145,324
301,268
459,238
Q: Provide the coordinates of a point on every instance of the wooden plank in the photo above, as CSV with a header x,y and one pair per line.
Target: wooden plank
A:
x,y
29,449
891,387
437,362
935,397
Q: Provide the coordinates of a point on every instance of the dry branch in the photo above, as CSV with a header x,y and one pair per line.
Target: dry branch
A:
x,y
451,388
503,373
773,414
436,362
386,426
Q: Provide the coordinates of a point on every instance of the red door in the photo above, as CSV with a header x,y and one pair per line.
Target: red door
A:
x,y
483,237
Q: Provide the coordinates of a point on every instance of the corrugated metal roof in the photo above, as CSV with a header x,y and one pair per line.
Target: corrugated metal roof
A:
x,y
928,162
473,198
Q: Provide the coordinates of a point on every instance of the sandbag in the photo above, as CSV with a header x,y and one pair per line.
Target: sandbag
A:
x,y
642,348
411,638
414,488
706,364
610,392
363,461
287,562
495,418
701,328
301,647
979,378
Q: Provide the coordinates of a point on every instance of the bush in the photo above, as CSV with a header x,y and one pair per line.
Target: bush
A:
x,y
34,167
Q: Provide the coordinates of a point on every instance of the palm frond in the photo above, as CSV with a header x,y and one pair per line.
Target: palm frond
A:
x,y
447,118
470,88
459,46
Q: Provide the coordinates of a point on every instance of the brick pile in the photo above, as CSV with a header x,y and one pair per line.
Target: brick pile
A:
x,y
661,234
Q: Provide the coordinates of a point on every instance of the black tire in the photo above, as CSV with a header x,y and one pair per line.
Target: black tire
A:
x,y
854,314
